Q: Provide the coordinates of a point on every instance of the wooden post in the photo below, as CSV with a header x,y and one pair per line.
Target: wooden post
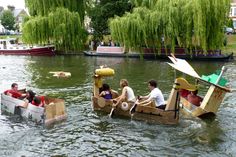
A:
x,y
213,99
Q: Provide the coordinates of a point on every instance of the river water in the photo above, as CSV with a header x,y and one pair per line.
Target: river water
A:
x,y
89,133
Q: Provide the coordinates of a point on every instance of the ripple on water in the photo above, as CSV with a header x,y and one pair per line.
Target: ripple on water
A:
x,y
89,133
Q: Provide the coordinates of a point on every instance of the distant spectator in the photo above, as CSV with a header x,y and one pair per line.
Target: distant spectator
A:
x,y
92,45
112,43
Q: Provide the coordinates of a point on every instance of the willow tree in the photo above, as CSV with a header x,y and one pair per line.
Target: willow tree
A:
x,y
60,22
186,23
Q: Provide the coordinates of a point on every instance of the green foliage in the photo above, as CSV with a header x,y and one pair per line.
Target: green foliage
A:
x,y
44,7
62,27
8,20
60,22
102,11
185,23
229,23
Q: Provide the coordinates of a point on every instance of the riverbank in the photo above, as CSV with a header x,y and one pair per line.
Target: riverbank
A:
x,y
231,44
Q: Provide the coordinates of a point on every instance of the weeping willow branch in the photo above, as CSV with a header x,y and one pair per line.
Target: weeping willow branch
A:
x,y
185,23
60,22
44,7
62,28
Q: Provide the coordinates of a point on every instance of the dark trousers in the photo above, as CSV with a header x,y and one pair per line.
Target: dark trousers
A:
x,y
161,107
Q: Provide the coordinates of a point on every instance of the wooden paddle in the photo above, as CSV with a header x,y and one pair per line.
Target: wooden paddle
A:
x,y
113,108
111,113
132,109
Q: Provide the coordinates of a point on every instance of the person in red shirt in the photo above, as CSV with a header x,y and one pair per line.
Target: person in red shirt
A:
x,y
194,99
30,95
38,101
184,93
13,92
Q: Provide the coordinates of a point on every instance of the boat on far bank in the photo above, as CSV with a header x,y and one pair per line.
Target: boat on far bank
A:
x,y
160,54
10,47
111,51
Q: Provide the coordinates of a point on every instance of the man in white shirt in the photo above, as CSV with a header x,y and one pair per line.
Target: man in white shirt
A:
x,y
155,95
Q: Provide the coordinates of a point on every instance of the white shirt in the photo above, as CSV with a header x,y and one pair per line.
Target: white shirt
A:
x,y
157,96
130,93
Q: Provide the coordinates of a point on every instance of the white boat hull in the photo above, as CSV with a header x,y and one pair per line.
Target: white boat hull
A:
x,y
37,114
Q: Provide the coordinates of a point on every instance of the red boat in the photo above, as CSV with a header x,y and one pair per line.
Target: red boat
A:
x,y
9,47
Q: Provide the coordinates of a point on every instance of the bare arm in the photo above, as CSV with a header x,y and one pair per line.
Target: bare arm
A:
x,y
145,97
102,93
145,102
122,96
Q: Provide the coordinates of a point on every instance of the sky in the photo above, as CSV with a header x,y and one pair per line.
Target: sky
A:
x,y
19,4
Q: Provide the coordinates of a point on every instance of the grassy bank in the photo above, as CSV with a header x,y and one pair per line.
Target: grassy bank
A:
x,y
231,44
10,36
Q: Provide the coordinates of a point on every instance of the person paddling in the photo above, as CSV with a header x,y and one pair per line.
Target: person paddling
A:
x,y
155,95
126,95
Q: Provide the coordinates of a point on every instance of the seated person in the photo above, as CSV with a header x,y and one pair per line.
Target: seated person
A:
x,y
30,95
194,99
155,95
38,101
106,92
13,92
184,93
127,93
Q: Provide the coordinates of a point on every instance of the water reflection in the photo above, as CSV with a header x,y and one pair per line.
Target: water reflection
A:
x,y
88,133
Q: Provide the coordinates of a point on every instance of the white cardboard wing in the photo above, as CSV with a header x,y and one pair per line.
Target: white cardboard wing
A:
x,y
183,66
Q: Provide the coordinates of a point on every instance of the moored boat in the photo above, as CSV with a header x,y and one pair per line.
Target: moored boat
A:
x,y
53,110
10,47
147,112
196,55
210,102
159,54
111,51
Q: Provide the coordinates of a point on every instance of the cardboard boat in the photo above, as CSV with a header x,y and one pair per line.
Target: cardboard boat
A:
x,y
53,111
149,112
213,97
